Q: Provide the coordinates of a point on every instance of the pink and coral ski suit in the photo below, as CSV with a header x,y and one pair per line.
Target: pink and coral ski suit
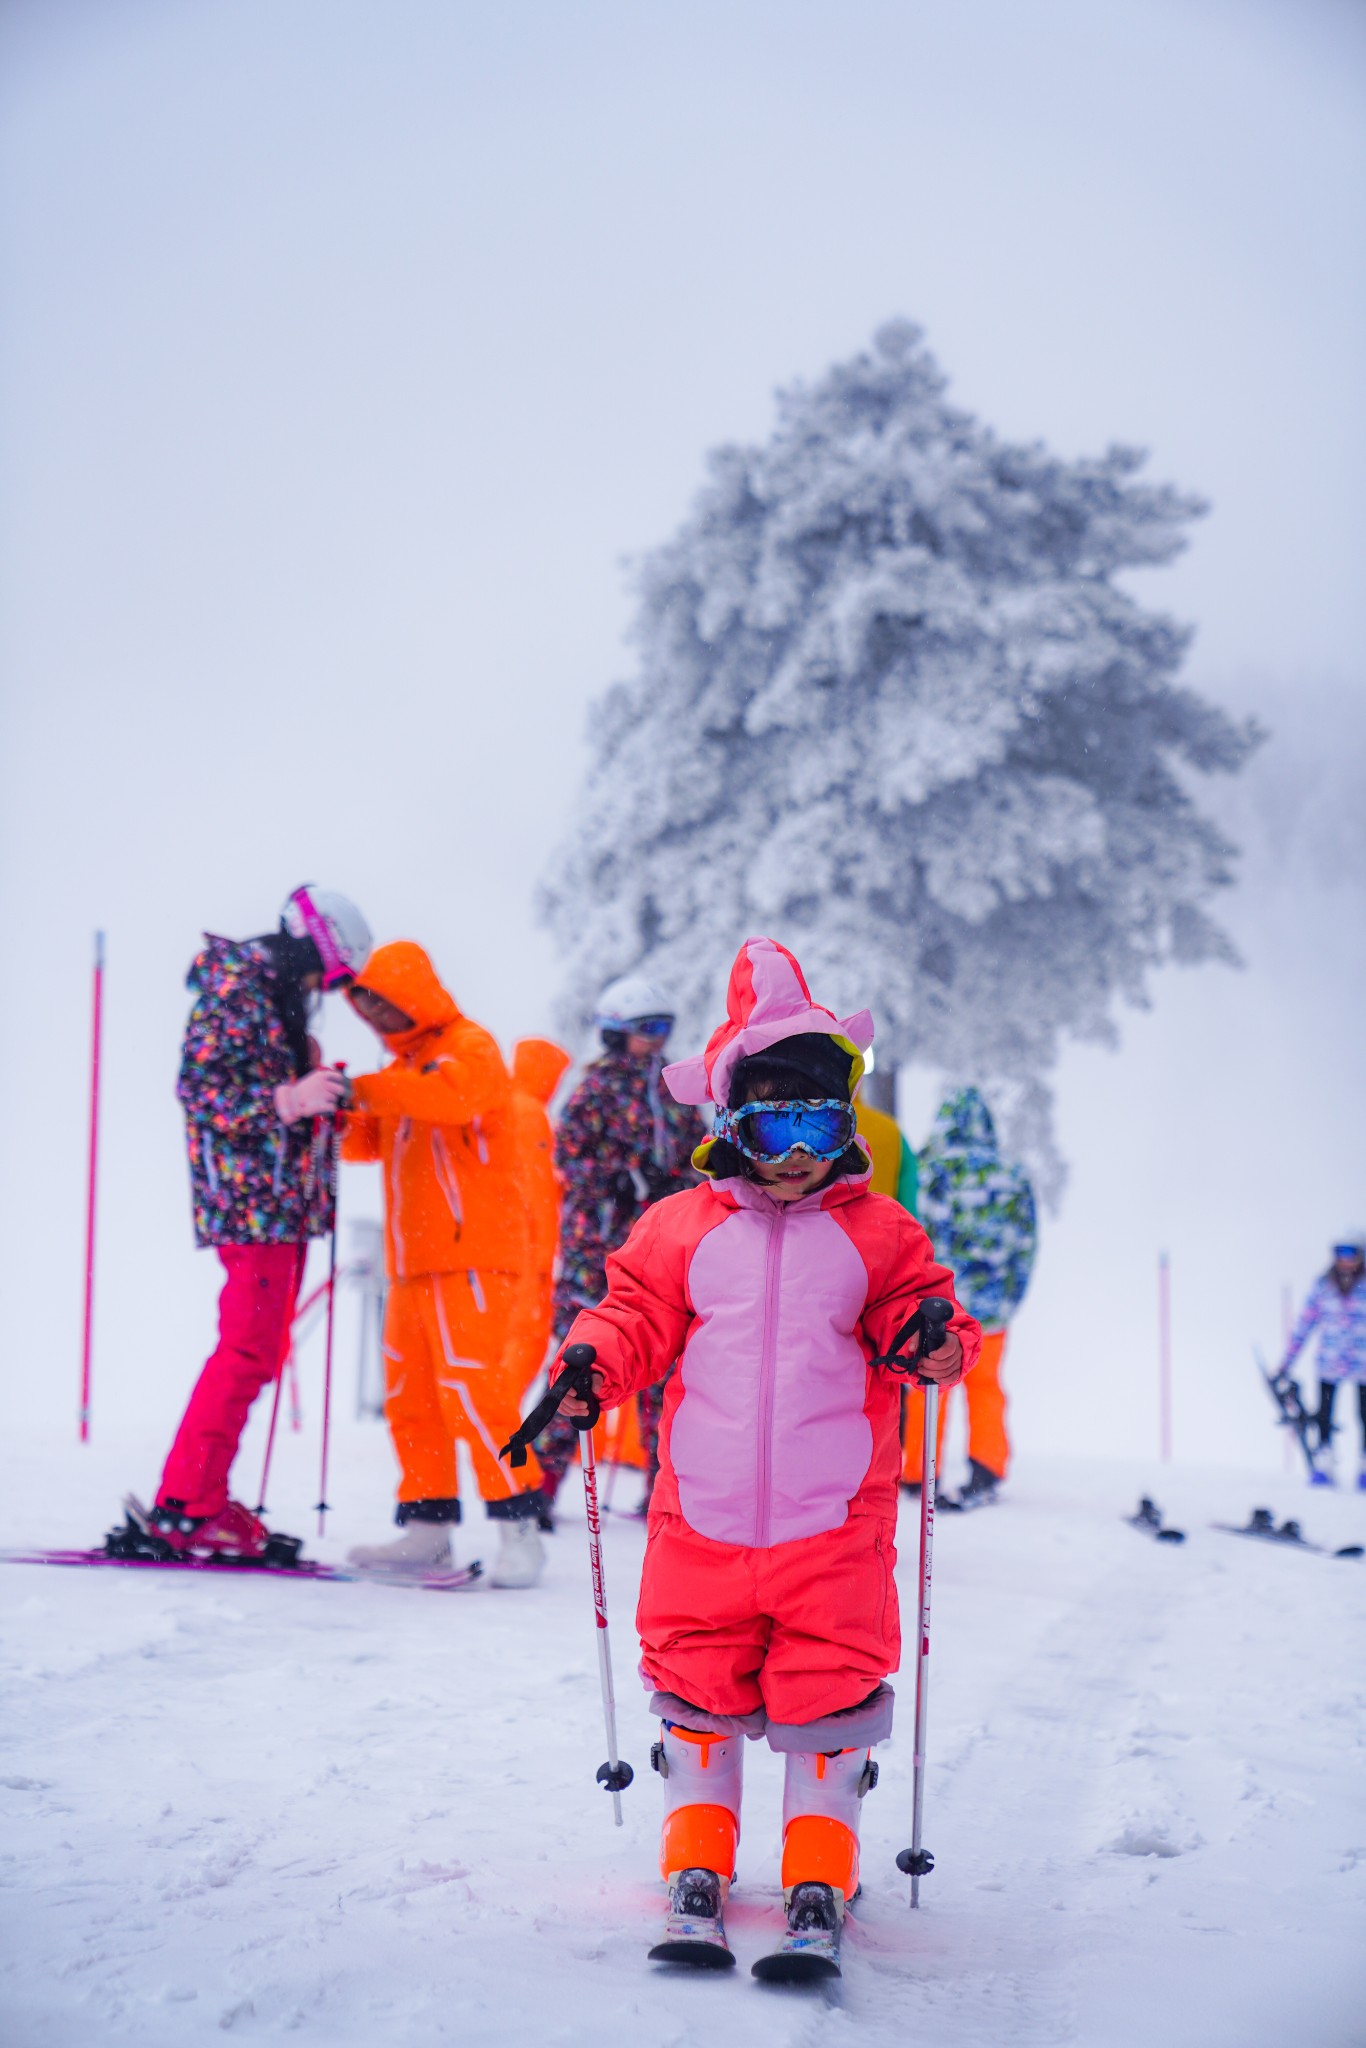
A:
x,y
767,1596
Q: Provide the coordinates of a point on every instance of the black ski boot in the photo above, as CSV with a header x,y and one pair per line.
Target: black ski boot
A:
x,y
980,1490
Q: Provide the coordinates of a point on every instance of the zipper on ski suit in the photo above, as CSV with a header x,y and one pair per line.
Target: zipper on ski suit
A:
x,y
768,1374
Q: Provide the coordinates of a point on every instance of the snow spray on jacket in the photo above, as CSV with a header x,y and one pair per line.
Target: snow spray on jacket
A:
x,y
978,1210
1340,1320
620,1145
253,1180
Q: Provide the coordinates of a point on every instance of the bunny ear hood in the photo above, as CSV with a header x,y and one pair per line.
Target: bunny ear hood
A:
x,y
767,1000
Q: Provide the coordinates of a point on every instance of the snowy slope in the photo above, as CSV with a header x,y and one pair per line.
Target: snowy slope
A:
x,y
355,1815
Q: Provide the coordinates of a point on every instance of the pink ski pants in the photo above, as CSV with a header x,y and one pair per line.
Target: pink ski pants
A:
x,y
255,1311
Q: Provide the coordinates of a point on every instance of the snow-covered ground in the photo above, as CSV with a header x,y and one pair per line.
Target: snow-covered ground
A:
x,y
358,1815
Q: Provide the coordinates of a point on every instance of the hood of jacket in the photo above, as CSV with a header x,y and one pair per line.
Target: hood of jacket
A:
x,y
963,1124
537,1066
767,999
404,975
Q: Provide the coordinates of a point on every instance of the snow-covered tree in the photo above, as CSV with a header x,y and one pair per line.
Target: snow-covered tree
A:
x,y
893,708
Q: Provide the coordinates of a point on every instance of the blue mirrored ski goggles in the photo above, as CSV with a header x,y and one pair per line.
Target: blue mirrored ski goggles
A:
x,y
773,1131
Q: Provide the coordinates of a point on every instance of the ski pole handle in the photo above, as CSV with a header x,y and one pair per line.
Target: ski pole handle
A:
x,y
579,1362
577,1378
935,1316
928,1326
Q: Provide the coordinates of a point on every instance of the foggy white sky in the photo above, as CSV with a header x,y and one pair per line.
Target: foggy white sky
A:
x,y
348,348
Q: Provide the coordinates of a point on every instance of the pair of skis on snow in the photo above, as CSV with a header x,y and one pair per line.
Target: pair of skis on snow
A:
x,y
695,1933
1262,1525
129,1548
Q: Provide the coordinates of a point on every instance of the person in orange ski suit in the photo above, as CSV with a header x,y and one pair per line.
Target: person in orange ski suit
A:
x,y
538,1065
459,1342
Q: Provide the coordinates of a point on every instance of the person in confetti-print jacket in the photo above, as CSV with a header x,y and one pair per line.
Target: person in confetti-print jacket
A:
x,y
622,1143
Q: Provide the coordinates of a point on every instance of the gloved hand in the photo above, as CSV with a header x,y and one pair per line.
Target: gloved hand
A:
x,y
317,1094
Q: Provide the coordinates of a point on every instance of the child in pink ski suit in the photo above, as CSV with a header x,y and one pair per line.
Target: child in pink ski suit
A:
x,y
767,1602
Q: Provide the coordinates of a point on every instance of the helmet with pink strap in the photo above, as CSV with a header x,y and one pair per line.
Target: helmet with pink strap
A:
x,y
336,927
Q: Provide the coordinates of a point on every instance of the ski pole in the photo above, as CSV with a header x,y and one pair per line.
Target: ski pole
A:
x,y
270,1433
933,1318
335,1141
96,1038
577,1378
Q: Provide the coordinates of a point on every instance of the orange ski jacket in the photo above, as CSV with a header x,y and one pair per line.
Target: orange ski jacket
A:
x,y
441,1120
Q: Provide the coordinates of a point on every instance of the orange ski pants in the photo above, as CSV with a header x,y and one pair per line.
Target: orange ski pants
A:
x,y
446,1380
988,1443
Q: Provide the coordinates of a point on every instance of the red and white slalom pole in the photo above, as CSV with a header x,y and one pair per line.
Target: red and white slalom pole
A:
x,y
88,1324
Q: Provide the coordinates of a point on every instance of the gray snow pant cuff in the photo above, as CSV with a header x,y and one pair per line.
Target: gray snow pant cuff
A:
x,y
851,1728
670,1707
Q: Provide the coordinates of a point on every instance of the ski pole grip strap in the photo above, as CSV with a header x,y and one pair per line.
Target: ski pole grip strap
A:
x,y
929,1325
577,1378
579,1360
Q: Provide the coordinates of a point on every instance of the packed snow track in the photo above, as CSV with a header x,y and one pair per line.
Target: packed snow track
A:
x,y
346,1814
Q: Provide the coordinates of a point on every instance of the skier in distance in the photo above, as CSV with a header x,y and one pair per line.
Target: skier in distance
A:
x,y
621,1143
767,1602
1335,1310
259,1108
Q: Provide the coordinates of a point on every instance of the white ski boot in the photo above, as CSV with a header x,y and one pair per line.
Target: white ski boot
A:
x,y
702,1775
521,1555
423,1547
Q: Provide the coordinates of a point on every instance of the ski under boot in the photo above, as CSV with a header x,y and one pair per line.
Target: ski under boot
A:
x,y
810,1947
694,1932
232,1536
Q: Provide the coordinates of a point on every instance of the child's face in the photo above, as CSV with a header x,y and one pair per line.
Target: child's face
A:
x,y
787,1180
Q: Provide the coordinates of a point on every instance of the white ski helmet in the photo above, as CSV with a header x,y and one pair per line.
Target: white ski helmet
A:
x,y
336,928
627,1000
1351,1240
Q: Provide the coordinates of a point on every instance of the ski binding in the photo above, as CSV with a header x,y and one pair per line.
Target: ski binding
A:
x,y
1149,1518
810,1947
694,1932
1263,1526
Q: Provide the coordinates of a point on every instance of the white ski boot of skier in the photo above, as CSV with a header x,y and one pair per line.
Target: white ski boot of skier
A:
x,y
423,1547
521,1555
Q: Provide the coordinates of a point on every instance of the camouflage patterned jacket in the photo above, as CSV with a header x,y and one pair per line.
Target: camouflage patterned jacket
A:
x,y
253,1180
978,1210
622,1142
